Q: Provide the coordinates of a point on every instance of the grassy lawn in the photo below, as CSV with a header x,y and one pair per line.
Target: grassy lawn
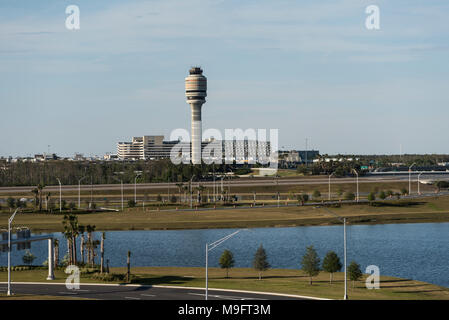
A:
x,y
402,211
275,280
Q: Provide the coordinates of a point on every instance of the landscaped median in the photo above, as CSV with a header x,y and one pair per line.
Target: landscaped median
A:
x,y
284,281
432,209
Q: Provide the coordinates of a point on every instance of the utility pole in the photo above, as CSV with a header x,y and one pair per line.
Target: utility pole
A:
x,y
307,163
60,195
345,296
79,192
329,194
410,178
9,251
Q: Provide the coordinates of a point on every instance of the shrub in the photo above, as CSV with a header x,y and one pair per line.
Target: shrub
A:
x,y
349,196
109,277
131,203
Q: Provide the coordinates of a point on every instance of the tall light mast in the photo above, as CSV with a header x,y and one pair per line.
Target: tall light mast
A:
x,y
196,87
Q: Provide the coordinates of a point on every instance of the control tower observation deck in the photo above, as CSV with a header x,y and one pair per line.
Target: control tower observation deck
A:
x,y
196,92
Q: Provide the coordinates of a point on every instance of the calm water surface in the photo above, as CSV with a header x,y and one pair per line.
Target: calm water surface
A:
x,y
416,251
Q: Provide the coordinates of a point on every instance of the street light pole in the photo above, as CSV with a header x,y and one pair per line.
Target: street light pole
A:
x,y
190,190
121,184
357,174
418,181
60,195
410,178
9,251
345,296
135,187
79,192
329,194
210,247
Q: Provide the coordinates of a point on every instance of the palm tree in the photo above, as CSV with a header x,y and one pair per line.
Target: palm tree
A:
x,y
82,229
90,244
71,231
47,200
35,192
199,190
180,186
186,188
56,252
68,235
40,188
103,237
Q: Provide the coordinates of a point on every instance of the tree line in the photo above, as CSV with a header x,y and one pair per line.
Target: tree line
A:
x,y
102,172
310,264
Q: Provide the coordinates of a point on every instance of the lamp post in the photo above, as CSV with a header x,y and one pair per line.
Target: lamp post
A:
x,y
345,296
9,250
121,184
410,178
210,247
329,194
357,174
60,195
135,187
190,190
79,191
418,181
213,175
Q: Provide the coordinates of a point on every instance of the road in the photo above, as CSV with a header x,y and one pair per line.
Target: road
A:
x,y
136,292
242,182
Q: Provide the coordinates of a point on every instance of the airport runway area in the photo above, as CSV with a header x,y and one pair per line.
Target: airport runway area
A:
x,y
241,182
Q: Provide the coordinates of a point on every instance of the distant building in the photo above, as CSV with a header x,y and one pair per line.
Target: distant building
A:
x,y
110,157
154,147
299,156
146,147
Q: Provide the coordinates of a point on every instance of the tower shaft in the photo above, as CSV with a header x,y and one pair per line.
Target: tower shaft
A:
x,y
196,92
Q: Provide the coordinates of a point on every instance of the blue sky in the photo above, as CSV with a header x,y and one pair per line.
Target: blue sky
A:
x,y
309,68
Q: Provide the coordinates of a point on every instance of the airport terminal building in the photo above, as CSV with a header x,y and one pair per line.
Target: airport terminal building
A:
x,y
154,147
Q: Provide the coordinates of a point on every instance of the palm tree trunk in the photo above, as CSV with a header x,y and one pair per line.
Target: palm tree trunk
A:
x,y
69,251
74,250
89,235
102,254
56,254
82,249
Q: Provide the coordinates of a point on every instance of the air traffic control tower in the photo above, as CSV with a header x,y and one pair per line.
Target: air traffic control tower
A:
x,y
196,87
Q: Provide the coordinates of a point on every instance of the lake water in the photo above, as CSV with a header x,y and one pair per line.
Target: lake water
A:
x,y
416,251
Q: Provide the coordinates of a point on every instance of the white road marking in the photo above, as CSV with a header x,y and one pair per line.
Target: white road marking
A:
x,y
65,292
226,297
148,295
132,298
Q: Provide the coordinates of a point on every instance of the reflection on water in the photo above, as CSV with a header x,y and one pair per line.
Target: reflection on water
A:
x,y
416,251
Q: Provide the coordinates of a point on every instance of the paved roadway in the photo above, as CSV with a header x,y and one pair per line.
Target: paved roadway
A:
x,y
242,182
136,292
